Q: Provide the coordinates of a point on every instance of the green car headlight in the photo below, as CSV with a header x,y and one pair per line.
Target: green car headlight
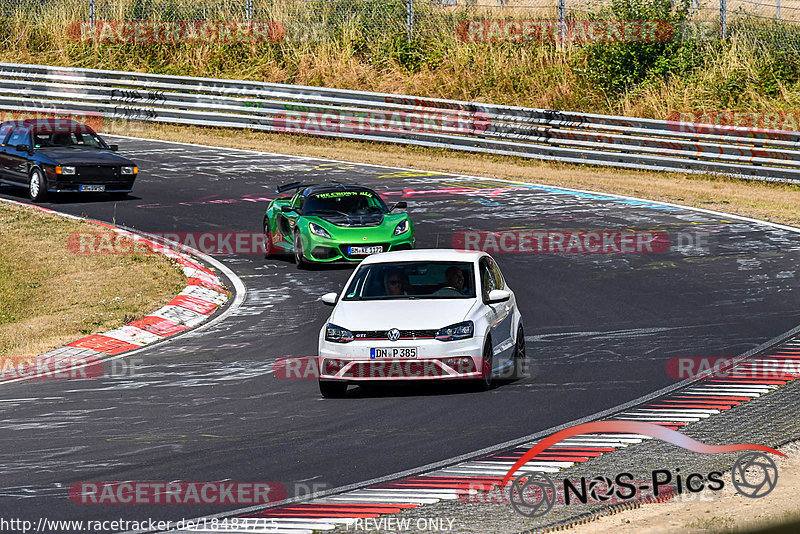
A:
x,y
318,230
402,227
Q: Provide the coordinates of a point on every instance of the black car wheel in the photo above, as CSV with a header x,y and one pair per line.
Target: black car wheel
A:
x,y
333,389
299,255
519,355
485,382
37,189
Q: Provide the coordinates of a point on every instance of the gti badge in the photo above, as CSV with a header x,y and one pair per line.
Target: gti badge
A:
x,y
393,334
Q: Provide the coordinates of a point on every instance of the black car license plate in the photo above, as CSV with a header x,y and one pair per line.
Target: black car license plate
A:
x,y
92,188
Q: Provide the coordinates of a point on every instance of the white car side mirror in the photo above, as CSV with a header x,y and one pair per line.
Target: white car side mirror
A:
x,y
329,299
498,295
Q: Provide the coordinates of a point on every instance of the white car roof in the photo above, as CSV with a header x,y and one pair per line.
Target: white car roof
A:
x,y
425,254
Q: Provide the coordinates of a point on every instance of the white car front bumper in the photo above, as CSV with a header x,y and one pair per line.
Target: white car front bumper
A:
x,y
436,360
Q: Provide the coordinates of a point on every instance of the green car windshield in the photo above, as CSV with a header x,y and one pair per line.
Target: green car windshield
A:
x,y
413,280
344,203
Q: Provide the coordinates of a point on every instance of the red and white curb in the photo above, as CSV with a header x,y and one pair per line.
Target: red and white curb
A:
x,y
200,299
675,410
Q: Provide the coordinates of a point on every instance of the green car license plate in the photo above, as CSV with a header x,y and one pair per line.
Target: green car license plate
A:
x,y
364,251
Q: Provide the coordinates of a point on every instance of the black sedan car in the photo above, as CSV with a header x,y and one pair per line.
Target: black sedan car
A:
x,y
59,156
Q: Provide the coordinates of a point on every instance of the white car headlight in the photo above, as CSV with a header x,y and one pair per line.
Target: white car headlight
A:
x,y
454,332
337,334
402,227
318,230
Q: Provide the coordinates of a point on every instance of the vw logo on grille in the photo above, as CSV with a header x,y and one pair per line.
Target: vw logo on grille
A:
x,y
393,334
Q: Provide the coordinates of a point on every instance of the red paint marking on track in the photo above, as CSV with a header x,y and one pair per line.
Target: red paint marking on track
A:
x,y
104,344
714,397
439,485
316,515
557,450
666,422
203,283
321,508
571,455
185,262
159,326
736,382
697,406
766,376
456,479
193,303
546,459
708,402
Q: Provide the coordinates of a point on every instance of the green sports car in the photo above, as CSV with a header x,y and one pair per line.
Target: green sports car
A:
x,y
334,223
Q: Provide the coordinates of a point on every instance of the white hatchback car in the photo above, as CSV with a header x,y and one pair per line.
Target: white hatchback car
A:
x,y
421,315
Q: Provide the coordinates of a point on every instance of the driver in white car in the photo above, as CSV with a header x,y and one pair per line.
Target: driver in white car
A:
x,y
396,283
454,282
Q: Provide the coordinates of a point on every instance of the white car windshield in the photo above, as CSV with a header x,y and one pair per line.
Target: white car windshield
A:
x,y
413,280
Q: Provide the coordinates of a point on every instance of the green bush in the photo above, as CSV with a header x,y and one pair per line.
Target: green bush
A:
x,y
615,68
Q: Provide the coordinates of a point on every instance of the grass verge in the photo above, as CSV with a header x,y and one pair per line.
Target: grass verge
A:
x,y
362,44
51,296
762,200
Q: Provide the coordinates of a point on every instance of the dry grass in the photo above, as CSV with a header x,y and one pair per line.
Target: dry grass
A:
x,y
51,296
769,201
733,76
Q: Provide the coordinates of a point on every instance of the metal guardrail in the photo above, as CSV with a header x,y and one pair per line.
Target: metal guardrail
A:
x,y
569,137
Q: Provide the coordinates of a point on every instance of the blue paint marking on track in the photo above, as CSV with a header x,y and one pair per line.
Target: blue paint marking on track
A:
x,y
593,196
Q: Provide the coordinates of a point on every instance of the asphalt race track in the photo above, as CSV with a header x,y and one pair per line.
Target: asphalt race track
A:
x,y
205,407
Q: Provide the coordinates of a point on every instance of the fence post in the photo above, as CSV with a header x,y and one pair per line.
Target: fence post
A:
x,y
723,18
778,10
410,19
562,24
249,9
91,11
